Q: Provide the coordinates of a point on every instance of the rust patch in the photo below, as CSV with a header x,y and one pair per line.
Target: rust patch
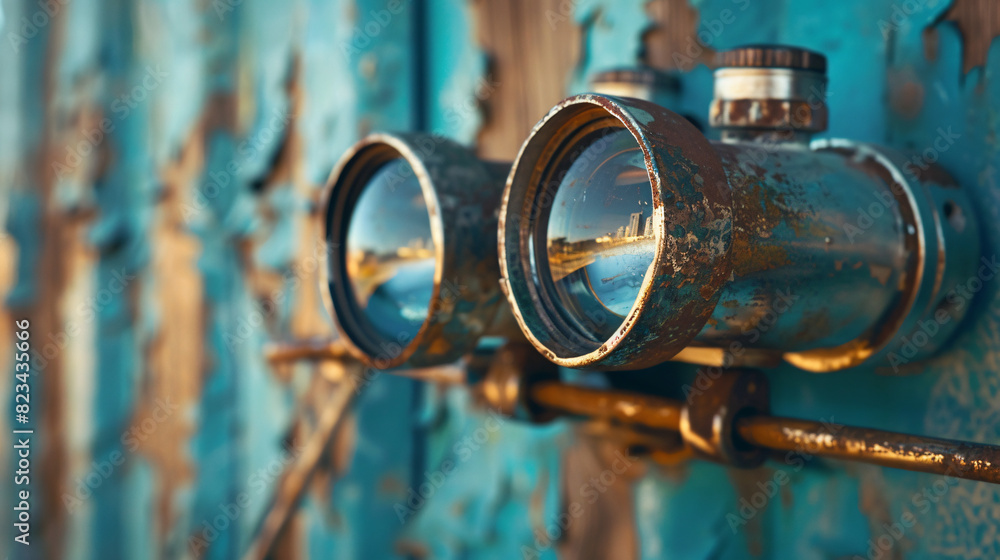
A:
x,y
880,273
874,505
745,482
285,164
906,93
599,505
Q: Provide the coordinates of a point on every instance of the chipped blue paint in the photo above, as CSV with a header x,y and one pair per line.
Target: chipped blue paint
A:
x,y
612,35
489,486
456,72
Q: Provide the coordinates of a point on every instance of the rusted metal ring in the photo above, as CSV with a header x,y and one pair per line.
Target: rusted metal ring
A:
x,y
781,114
708,422
462,195
692,221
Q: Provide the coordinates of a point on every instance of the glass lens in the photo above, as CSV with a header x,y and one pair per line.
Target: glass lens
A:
x,y
600,240
390,252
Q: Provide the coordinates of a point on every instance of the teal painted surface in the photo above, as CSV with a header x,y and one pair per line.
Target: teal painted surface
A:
x,y
612,36
355,65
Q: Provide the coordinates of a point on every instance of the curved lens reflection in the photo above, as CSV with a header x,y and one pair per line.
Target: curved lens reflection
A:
x,y
390,252
600,240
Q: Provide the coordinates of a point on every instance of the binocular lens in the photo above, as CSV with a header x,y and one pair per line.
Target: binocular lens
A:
x,y
599,237
390,252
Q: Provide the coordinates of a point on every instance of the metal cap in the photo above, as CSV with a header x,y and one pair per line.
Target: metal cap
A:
x,y
772,91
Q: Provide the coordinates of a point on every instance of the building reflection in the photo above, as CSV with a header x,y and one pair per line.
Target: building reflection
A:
x,y
633,239
389,256
370,269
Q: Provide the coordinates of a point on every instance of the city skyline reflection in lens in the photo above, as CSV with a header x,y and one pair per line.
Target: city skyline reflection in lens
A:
x,y
390,252
600,240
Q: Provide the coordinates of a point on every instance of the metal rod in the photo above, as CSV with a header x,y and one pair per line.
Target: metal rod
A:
x,y
305,349
296,477
326,349
631,408
450,374
972,461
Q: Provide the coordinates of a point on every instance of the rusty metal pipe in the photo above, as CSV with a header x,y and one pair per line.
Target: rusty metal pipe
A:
x,y
630,408
960,459
305,349
971,461
324,349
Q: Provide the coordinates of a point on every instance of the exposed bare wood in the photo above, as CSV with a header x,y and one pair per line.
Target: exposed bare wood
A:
x,y
533,46
979,23
672,42
176,364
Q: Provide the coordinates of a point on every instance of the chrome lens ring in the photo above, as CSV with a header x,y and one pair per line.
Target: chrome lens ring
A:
x,y
691,220
461,194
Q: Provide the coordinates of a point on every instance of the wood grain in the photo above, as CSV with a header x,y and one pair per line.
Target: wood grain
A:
x,y
979,23
533,47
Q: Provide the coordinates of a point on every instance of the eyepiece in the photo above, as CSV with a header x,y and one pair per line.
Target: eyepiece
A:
x,y
390,263
412,275
615,207
627,237
599,238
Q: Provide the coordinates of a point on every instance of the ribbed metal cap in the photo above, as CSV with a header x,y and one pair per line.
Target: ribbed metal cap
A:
x,y
641,75
772,56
